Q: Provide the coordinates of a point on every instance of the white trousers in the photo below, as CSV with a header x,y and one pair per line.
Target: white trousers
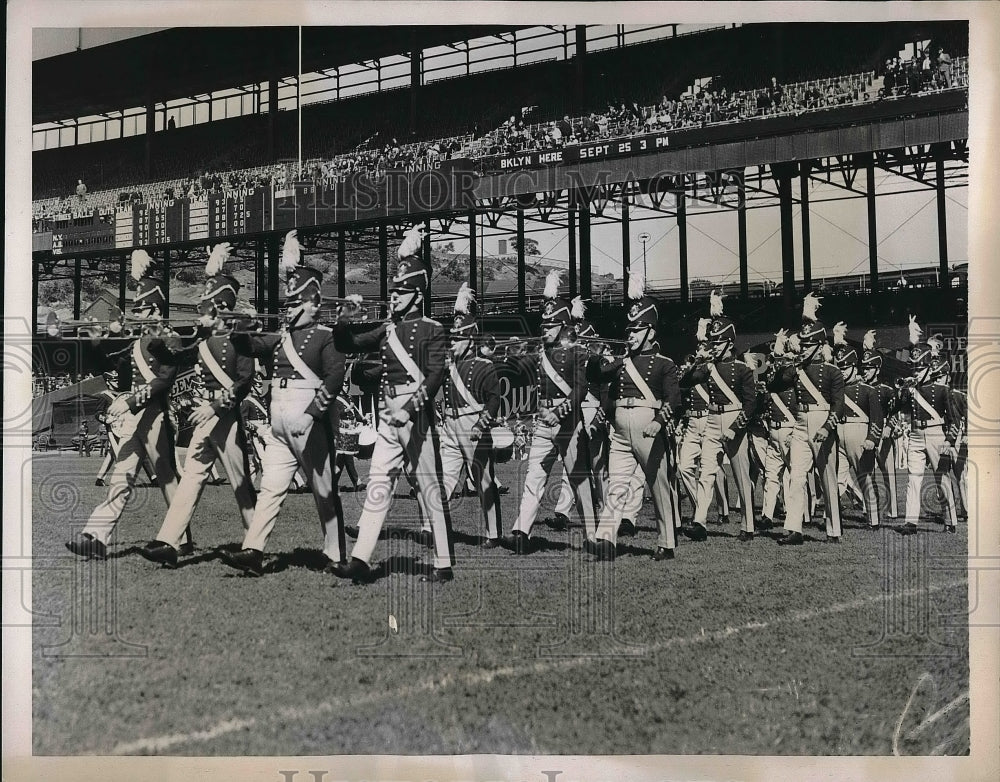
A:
x,y
142,435
283,455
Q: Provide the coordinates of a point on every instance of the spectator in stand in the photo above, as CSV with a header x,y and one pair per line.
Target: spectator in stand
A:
x,y
926,78
81,191
565,127
171,125
776,94
944,66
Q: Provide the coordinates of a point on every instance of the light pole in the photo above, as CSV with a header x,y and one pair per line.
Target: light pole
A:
x,y
644,237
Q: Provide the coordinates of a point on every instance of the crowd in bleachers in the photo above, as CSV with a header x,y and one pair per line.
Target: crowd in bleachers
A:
x,y
42,383
709,104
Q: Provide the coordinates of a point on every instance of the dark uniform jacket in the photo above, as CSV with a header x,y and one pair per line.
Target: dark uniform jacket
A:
x,y
659,372
425,340
238,366
939,398
866,398
570,363
738,376
314,345
131,379
481,381
771,411
828,380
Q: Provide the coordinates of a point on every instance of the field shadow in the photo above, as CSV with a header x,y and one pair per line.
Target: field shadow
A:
x,y
309,559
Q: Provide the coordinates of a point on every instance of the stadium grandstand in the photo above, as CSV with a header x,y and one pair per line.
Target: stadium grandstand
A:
x,y
561,128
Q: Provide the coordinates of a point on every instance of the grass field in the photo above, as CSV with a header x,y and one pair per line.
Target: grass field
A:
x,y
859,648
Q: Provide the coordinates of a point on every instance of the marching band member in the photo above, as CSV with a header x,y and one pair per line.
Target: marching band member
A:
x,y
819,388
779,412
470,403
694,422
306,371
141,417
595,419
561,369
226,377
646,396
935,428
347,411
732,394
885,453
861,426
413,351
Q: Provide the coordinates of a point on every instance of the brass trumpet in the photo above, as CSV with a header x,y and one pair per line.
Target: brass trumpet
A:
x,y
905,382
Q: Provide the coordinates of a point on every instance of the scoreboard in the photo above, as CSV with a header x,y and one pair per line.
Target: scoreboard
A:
x,y
260,209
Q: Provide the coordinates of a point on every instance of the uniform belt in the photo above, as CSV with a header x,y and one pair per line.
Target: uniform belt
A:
x,y
211,394
635,401
855,419
725,408
291,383
696,413
589,405
452,412
818,408
400,390
780,424
548,403
927,424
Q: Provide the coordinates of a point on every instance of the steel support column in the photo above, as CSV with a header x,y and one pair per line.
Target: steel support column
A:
x,y
166,283
426,252
806,243
521,271
571,238
626,247
272,116
273,275
383,262
148,147
473,259
942,224
586,278
77,283
682,245
260,276
872,224
741,226
341,264
783,176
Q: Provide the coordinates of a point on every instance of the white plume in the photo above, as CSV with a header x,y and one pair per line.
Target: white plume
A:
x,y
702,334
291,252
578,310
465,299
552,285
794,343
140,264
868,343
355,298
827,352
715,304
840,333
217,259
780,342
636,284
935,343
810,305
915,330
412,242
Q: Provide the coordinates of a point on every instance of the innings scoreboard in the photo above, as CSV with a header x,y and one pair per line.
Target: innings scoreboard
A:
x,y
260,209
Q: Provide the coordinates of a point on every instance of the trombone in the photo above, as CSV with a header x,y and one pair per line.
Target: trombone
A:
x,y
601,345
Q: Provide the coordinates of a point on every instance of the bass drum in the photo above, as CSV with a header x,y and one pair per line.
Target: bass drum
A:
x,y
366,442
503,443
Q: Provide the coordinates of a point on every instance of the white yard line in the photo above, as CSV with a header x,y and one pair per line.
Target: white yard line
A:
x,y
158,744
